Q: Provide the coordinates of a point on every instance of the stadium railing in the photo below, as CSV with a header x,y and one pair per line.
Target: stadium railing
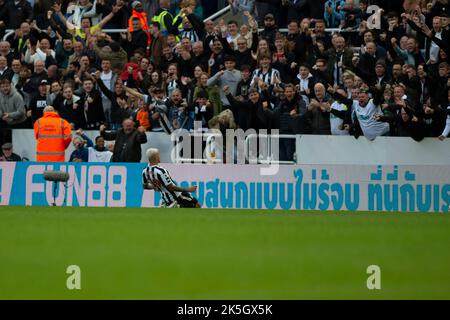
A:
x,y
211,151
272,143
265,146
215,16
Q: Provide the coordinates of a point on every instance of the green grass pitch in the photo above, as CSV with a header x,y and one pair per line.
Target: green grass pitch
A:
x,y
221,254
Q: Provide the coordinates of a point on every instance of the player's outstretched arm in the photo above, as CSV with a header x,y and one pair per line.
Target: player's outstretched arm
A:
x,y
173,187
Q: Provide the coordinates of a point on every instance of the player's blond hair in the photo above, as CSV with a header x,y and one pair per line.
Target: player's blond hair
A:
x,y
152,153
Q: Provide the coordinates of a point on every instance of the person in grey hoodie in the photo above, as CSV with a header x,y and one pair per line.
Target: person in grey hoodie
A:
x,y
12,108
229,77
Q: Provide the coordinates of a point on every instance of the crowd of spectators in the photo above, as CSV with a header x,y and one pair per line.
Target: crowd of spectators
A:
x,y
385,72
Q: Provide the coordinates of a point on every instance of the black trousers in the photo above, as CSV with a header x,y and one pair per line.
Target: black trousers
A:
x,y
186,200
287,149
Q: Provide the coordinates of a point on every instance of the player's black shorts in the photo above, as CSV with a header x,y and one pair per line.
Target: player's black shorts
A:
x,y
186,200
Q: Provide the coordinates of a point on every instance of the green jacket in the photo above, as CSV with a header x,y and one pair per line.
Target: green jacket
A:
x,y
213,96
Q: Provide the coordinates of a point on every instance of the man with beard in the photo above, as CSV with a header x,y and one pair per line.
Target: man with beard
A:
x,y
137,39
63,50
270,30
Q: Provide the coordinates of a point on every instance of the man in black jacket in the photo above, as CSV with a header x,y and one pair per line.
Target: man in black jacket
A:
x,y
38,75
128,140
290,118
93,106
439,38
18,12
5,72
38,102
243,53
270,30
256,111
138,39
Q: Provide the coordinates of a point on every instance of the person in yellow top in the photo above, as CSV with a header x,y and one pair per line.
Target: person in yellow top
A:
x,y
85,29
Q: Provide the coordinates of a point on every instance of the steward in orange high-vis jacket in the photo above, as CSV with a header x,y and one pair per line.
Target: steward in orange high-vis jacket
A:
x,y
138,13
53,135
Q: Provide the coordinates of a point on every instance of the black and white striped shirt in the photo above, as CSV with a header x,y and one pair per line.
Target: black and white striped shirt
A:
x,y
161,180
267,77
190,34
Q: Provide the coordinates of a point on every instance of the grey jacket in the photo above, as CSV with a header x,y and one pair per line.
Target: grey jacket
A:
x,y
228,78
13,105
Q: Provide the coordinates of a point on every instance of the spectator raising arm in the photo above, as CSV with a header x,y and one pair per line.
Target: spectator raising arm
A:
x,y
106,19
70,26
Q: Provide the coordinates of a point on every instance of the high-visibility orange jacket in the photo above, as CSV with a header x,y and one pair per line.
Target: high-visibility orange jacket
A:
x,y
53,135
142,16
143,117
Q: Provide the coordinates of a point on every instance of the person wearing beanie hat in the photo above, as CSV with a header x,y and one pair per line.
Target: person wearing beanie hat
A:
x,y
138,12
138,26
137,5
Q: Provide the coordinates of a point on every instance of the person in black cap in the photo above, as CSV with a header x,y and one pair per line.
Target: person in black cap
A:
x,y
38,102
270,30
265,7
8,154
445,19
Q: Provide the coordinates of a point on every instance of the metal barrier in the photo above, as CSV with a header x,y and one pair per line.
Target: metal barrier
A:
x,y
219,13
210,152
216,15
271,158
267,149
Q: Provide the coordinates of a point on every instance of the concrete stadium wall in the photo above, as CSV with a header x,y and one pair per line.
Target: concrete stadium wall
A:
x,y
311,150
333,150
25,144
